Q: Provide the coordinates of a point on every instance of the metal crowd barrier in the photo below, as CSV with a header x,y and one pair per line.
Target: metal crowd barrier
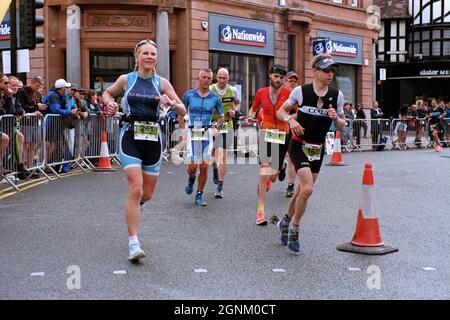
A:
x,y
9,149
47,144
91,133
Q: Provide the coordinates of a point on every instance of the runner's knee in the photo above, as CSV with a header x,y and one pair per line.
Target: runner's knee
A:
x,y
306,192
135,193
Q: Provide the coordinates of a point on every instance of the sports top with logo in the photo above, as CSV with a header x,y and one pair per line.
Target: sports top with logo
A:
x,y
228,96
274,137
140,138
200,111
307,150
315,120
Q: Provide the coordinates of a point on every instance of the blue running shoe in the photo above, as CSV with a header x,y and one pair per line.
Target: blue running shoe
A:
x,y
190,187
199,201
215,175
283,224
136,252
219,192
293,244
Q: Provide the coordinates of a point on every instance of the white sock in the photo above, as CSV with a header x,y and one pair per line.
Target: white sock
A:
x,y
133,239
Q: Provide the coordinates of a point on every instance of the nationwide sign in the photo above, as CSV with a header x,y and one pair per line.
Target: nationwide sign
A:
x,y
5,29
344,49
241,35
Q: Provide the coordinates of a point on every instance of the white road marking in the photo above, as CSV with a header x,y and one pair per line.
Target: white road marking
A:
x,y
200,270
120,272
169,172
429,269
353,269
37,274
278,270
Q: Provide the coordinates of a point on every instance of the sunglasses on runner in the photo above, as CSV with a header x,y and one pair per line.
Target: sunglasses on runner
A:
x,y
327,70
142,42
291,80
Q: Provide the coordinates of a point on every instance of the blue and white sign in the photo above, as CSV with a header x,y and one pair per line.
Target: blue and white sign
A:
x,y
242,35
345,48
5,28
321,46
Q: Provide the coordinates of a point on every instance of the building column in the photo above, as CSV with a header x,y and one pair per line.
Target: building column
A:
x,y
73,45
162,40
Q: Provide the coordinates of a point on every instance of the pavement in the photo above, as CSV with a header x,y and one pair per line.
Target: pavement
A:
x,y
67,239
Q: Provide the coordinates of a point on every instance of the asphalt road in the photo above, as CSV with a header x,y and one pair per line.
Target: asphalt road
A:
x,y
78,221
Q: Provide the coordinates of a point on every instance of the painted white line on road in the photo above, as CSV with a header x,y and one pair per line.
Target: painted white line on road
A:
x,y
169,172
429,269
353,269
231,172
278,270
200,270
120,272
349,171
37,274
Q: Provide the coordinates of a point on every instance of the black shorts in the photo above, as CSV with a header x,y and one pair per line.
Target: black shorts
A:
x,y
140,153
224,140
268,151
300,160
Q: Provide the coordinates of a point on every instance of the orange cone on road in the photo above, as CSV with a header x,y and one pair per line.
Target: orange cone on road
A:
x,y
103,162
336,156
367,237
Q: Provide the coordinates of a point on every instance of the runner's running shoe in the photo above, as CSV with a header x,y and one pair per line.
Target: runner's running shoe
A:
x,y
219,193
293,244
290,190
261,219
283,224
136,252
190,187
199,201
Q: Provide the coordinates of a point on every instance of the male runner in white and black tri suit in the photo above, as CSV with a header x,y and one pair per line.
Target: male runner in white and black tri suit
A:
x,y
318,106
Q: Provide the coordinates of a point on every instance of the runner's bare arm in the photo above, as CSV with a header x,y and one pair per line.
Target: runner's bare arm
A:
x,y
171,98
114,90
283,114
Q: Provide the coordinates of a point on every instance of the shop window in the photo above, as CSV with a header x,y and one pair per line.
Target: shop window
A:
x,y
345,79
106,67
247,73
291,51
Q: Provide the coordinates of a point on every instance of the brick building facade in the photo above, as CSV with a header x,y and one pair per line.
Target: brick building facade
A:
x,y
108,31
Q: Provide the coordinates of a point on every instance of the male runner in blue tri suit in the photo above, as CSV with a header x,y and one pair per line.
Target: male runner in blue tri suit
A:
x,y
200,103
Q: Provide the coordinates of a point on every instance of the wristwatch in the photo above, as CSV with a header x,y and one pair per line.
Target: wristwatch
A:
x,y
287,118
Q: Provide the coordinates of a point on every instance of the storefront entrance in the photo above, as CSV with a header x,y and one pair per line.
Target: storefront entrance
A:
x,y
247,73
106,67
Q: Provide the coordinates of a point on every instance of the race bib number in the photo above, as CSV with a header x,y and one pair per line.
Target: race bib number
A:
x,y
199,134
146,131
312,151
226,126
275,136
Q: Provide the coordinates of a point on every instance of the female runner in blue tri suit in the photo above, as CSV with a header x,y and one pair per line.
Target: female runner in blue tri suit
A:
x,y
140,136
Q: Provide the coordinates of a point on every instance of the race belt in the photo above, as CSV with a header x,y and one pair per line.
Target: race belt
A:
x,y
275,136
146,130
312,151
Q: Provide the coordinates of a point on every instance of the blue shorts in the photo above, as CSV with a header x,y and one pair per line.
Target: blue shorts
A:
x,y
199,149
139,153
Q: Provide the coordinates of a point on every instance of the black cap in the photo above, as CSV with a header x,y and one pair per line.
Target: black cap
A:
x,y
278,68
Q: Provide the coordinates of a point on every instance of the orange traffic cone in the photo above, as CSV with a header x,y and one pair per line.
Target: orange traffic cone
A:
x,y
367,237
103,162
336,156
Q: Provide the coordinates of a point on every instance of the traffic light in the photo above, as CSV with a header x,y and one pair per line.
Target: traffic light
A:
x,y
28,21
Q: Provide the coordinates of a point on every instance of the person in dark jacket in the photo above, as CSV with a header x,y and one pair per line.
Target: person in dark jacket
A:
x,y
10,106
